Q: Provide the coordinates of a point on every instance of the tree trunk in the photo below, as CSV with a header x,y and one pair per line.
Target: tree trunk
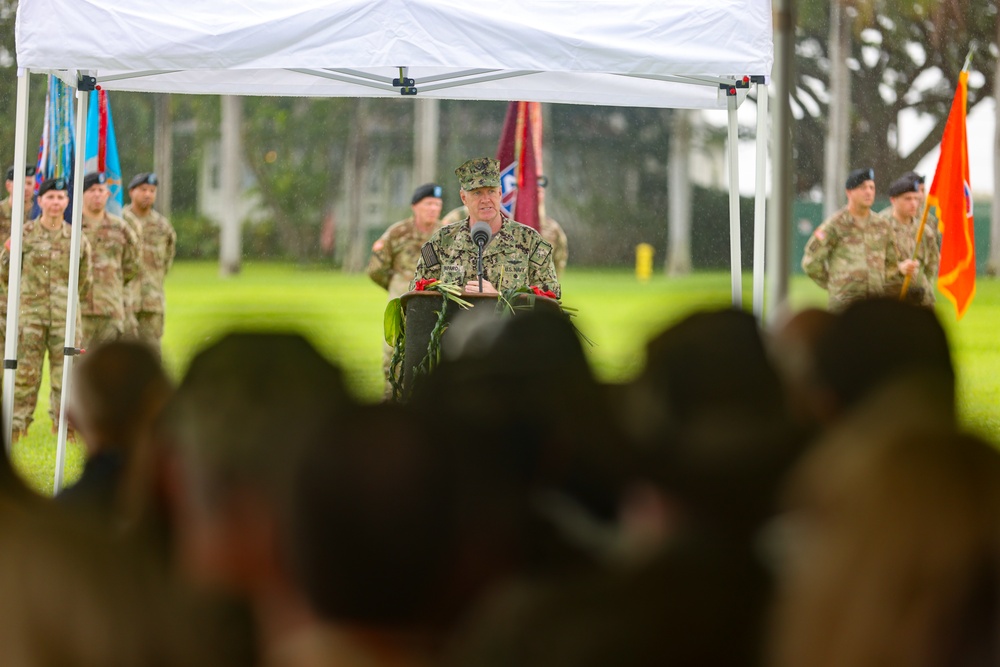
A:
x,y
230,237
779,224
678,258
163,153
993,267
354,260
838,128
425,141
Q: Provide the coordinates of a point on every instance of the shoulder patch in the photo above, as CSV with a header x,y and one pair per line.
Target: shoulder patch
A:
x,y
542,253
429,256
820,233
378,245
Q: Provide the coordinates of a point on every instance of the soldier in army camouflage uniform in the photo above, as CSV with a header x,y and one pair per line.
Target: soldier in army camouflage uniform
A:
x,y
115,263
920,264
516,256
551,230
395,253
158,244
44,279
851,254
6,219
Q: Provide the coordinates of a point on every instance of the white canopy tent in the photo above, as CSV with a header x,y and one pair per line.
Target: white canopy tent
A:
x,y
696,54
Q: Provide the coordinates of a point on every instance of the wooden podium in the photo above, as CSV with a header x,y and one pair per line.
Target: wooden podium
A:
x,y
420,312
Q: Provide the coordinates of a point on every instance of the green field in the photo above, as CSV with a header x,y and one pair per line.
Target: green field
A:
x,y
342,314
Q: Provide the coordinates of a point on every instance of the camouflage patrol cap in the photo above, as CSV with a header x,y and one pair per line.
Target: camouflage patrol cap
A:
x,y
481,172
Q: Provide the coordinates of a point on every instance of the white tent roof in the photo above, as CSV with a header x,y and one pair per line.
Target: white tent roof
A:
x,y
635,53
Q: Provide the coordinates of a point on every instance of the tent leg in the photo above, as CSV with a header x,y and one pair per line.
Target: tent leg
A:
x,y
16,238
760,199
782,193
72,298
735,250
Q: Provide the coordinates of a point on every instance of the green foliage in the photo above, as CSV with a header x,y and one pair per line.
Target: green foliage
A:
x,y
197,236
893,43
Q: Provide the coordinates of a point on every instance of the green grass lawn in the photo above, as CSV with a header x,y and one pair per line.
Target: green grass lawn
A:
x,y
342,315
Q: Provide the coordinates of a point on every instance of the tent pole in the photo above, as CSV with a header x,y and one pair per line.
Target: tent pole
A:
x,y
16,236
782,192
72,289
735,252
760,199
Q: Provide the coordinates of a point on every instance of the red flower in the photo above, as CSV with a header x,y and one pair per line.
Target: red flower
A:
x,y
423,284
540,292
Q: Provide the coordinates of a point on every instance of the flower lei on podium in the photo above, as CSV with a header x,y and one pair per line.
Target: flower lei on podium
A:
x,y
394,322
394,325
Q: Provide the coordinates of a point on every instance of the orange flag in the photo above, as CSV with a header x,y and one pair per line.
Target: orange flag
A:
x,y
951,194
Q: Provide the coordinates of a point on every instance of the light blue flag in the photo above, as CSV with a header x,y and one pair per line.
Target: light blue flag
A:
x,y
102,148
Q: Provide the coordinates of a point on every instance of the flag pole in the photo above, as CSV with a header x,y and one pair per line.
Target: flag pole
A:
x,y
916,248
923,218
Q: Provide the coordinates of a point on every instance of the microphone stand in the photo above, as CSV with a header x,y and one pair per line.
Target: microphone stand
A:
x,y
479,267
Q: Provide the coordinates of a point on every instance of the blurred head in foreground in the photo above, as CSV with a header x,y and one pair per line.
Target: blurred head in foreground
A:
x,y
893,552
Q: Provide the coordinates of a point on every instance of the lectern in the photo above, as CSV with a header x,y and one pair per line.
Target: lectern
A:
x,y
420,312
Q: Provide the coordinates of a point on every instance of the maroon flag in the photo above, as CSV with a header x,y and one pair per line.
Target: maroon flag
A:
x,y
517,154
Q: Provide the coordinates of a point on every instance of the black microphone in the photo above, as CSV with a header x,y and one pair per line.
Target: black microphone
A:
x,y
481,235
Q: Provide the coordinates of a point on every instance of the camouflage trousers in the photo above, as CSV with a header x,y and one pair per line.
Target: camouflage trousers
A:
x,y
386,358
37,337
131,326
100,329
150,329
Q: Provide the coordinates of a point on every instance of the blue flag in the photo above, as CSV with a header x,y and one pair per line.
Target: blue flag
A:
x,y
56,148
102,148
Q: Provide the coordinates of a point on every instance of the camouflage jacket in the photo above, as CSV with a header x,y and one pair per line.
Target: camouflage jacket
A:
x,y
516,256
115,262
904,235
394,256
550,230
553,232
851,261
6,215
158,242
45,272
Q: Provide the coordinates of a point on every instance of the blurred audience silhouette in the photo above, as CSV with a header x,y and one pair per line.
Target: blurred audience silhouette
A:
x,y
799,496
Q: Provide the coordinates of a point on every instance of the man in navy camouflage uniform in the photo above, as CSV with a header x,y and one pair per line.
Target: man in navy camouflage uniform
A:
x,y
516,255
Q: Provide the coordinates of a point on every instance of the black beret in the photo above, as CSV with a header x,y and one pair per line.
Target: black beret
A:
x,y
859,176
915,176
94,178
426,190
29,171
53,184
145,178
903,184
